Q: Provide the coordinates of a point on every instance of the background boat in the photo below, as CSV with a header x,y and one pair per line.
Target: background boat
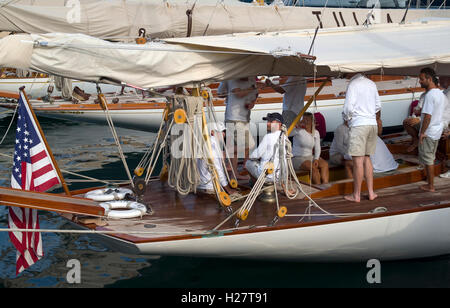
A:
x,y
132,111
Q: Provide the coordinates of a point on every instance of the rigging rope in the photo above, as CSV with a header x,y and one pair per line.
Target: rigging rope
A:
x,y
104,104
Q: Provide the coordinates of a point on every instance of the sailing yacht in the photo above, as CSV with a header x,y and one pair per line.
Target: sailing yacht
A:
x,y
121,20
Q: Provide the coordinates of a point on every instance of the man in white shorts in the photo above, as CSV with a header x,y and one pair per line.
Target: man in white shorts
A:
x,y
241,95
431,124
362,107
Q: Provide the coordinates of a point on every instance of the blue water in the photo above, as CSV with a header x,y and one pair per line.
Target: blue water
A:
x,y
89,149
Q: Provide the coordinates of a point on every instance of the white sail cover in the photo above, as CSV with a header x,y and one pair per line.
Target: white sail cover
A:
x,y
121,19
388,49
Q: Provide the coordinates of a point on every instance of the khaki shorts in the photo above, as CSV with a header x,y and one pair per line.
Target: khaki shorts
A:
x,y
427,151
242,138
362,140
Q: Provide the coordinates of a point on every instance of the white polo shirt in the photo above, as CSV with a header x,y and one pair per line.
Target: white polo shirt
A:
x,y
434,105
362,102
236,109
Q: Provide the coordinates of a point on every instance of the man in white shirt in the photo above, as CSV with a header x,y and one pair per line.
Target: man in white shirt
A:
x,y
362,108
431,124
206,183
241,95
268,149
294,90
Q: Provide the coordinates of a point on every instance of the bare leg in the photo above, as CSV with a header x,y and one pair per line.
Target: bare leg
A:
x,y
429,170
414,135
315,176
368,174
348,164
358,175
324,171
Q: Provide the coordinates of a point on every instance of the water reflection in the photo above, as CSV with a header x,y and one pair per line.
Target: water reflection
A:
x,y
88,149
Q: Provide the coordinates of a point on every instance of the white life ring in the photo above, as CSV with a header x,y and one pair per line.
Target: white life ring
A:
x,y
129,209
108,194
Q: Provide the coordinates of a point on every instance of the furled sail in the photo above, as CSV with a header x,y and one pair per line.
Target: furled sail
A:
x,y
390,49
122,19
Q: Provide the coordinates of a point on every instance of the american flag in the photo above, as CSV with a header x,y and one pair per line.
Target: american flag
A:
x,y
33,170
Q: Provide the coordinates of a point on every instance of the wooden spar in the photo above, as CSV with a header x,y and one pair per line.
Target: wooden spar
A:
x,y
310,101
49,202
6,94
55,164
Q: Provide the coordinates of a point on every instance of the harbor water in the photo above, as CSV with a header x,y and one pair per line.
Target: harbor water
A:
x,y
89,149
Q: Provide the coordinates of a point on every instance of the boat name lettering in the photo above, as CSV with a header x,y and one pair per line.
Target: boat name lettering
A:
x,y
340,21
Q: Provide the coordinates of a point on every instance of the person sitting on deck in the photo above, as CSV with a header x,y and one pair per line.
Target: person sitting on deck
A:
x,y
206,184
382,159
307,139
268,150
412,124
338,149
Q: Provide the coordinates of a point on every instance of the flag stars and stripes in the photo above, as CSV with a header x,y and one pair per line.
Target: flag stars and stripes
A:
x,y
32,170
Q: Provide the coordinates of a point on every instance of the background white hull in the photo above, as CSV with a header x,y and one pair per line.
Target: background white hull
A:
x,y
395,109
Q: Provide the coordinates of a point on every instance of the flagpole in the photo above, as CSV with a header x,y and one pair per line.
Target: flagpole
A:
x,y
63,182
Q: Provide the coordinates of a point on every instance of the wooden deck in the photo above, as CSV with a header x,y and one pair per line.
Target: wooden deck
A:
x,y
181,217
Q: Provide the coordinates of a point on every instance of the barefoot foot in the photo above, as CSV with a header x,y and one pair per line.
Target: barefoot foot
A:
x,y
352,198
427,188
372,196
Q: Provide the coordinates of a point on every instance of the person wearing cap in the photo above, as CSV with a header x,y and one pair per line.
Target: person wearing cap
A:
x,y
206,184
240,98
306,150
268,149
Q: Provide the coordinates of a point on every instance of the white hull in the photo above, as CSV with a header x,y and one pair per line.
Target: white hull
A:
x,y
394,110
404,236
37,87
